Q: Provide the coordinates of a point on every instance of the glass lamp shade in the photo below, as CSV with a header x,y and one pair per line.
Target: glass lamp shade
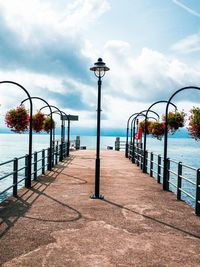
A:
x,y
99,68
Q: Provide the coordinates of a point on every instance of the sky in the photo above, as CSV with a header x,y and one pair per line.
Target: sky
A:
x,y
152,48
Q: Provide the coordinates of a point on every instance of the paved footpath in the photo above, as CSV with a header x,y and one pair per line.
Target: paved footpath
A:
x,y
57,224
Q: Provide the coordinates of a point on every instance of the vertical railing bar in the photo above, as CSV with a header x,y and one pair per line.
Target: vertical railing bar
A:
x,y
61,155
159,169
179,181
43,161
197,204
26,168
137,156
57,154
151,164
35,166
146,163
168,170
15,176
49,159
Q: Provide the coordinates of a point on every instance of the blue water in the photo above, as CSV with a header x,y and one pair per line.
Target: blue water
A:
x,y
185,150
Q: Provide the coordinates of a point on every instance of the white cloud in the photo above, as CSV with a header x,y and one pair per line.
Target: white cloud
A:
x,y
29,17
149,76
52,32
188,45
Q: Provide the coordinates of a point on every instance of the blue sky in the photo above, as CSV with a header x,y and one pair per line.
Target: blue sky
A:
x,y
151,46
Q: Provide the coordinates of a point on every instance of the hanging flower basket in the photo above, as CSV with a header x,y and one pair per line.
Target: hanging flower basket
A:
x,y
38,121
17,119
157,130
148,123
176,120
194,123
48,124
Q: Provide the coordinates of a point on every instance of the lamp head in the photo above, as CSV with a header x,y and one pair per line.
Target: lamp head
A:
x,y
99,68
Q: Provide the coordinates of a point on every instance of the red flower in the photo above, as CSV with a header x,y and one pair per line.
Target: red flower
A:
x,y
17,119
48,124
175,121
141,126
194,123
38,121
157,130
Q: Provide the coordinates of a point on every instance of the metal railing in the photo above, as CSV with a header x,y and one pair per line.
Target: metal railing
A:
x,y
120,145
15,171
183,180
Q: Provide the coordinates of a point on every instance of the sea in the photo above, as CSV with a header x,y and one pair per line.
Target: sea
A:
x,y
185,150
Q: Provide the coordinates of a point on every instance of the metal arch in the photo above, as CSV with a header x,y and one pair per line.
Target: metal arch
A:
x,y
28,180
133,137
165,182
68,126
141,112
145,132
58,110
127,132
51,130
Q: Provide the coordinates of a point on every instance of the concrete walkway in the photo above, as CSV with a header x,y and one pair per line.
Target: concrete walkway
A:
x,y
57,224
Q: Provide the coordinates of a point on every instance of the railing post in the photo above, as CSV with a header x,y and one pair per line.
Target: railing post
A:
x,y
15,176
146,161
197,204
43,161
68,146
65,149
26,170
151,164
77,142
141,156
57,154
133,152
129,150
168,174
137,149
117,144
52,154
159,169
49,159
61,152
126,150
35,165
179,181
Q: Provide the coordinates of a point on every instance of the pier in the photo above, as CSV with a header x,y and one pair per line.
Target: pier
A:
x,y
56,223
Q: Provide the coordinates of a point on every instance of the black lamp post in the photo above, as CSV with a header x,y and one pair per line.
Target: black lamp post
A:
x,y
99,69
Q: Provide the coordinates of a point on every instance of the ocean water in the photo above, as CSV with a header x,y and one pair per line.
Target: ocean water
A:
x,y
185,150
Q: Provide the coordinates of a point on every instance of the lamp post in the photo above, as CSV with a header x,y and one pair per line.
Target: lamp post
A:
x,y
99,69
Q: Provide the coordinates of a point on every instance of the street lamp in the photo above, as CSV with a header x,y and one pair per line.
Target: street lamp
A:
x,y
99,69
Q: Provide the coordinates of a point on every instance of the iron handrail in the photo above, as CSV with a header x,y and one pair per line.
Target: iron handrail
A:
x,y
155,165
43,161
